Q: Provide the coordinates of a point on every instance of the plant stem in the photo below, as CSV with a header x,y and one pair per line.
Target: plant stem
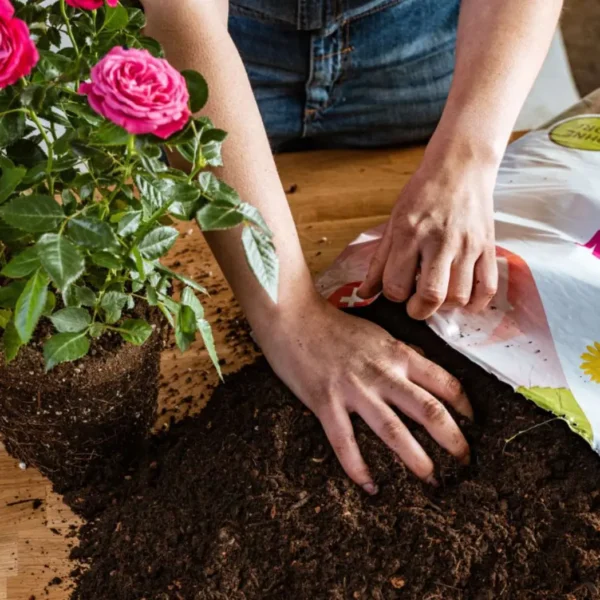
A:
x,y
514,437
63,10
50,146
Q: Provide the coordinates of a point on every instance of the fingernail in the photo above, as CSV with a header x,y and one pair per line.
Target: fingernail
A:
x,y
431,480
371,489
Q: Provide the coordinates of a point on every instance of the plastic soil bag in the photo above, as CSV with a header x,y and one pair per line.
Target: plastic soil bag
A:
x,y
541,333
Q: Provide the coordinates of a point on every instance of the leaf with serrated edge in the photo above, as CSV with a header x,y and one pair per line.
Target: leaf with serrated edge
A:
x,y
22,264
34,214
71,320
65,347
61,259
262,259
30,305
135,331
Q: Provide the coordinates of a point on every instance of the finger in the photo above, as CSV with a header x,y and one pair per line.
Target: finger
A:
x,y
486,281
400,271
432,286
386,424
339,432
372,285
440,383
460,287
426,410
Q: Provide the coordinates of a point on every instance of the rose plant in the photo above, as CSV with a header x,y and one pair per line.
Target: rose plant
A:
x,y
87,203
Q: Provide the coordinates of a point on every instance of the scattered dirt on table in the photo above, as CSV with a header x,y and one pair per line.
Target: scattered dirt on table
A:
x,y
247,502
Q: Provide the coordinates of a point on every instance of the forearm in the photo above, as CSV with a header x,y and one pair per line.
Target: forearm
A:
x,y
194,36
501,47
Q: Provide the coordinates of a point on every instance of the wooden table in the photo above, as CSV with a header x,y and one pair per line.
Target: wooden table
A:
x,y
334,196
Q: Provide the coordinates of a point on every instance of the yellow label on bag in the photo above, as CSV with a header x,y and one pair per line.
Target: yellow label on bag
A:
x,y
580,133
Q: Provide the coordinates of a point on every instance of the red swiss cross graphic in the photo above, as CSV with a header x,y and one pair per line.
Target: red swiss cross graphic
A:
x,y
346,297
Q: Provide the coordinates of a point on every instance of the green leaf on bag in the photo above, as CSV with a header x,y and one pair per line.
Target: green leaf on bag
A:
x,y
11,341
198,89
30,305
65,347
92,233
110,134
9,294
5,317
158,242
71,320
262,259
209,343
61,259
22,264
35,214
218,215
135,331
116,18
10,180
12,128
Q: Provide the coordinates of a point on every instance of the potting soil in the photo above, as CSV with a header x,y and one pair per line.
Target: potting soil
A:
x,y
248,502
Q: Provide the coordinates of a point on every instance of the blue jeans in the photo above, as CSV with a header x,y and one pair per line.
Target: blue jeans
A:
x,y
347,73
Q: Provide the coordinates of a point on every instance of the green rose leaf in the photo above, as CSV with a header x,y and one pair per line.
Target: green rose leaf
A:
x,y
93,233
12,128
106,260
158,242
30,305
218,215
209,343
110,134
262,259
50,304
252,215
113,304
86,112
135,331
10,180
188,298
65,347
35,214
5,317
22,265
186,201
71,320
61,259
214,189
116,18
130,223
9,294
11,341
198,89
190,282
185,328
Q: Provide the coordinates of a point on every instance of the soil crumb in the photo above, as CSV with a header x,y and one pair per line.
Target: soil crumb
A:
x,y
247,502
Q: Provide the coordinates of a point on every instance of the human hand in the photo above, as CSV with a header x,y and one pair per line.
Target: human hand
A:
x,y
443,227
338,364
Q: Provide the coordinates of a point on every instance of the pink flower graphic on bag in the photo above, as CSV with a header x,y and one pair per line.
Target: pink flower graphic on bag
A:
x,y
18,54
140,93
91,4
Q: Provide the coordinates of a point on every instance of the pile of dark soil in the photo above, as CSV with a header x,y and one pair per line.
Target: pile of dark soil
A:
x,y
248,502
81,416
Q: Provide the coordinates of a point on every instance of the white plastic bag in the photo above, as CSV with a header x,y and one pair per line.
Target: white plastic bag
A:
x,y
541,334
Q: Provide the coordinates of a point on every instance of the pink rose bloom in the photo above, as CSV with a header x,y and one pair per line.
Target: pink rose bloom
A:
x,y
91,4
138,92
18,54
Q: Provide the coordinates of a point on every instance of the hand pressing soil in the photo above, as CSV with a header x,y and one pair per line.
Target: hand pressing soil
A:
x,y
248,502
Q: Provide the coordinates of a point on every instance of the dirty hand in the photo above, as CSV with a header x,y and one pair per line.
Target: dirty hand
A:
x,y
441,227
339,364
